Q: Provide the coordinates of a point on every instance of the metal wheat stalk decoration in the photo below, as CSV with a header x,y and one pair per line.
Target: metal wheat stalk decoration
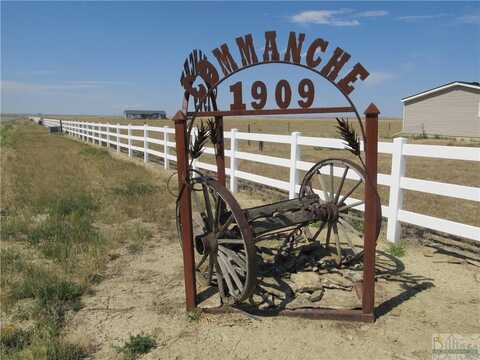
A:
x,y
213,133
350,137
196,148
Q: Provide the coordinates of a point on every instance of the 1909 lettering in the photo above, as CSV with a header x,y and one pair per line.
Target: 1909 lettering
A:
x,y
283,95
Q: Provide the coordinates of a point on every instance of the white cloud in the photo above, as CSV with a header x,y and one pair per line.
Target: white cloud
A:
x,y
326,17
372,13
378,77
470,19
342,17
419,18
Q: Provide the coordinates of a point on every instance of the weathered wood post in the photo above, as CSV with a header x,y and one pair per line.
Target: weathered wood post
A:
x,y
185,209
220,154
370,216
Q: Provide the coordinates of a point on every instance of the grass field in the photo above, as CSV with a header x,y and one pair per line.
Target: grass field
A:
x,y
448,171
66,209
74,221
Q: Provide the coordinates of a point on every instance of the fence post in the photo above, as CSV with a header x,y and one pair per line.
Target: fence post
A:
x,y
145,143
129,134
370,215
193,139
118,137
395,201
233,160
294,157
165,147
108,135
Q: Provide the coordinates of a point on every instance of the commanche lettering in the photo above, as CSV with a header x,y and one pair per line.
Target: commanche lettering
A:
x,y
312,55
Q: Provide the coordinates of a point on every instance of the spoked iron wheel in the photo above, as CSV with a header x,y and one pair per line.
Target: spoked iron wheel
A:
x,y
225,253
340,184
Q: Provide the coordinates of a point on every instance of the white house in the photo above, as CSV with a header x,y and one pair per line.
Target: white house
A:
x,y
452,109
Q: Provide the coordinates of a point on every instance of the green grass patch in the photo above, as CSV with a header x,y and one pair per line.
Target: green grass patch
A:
x,y
194,315
65,205
133,188
137,235
397,250
7,135
136,346
13,339
94,152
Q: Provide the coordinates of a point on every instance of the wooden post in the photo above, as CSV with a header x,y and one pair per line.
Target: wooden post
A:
x,y
185,210
220,157
370,216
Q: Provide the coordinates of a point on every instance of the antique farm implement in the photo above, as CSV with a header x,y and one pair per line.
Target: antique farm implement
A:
x,y
225,235
220,239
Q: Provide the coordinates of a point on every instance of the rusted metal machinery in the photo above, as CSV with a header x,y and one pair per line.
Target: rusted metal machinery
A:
x,y
220,242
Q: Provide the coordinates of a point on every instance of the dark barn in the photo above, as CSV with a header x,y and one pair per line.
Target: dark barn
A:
x,y
145,114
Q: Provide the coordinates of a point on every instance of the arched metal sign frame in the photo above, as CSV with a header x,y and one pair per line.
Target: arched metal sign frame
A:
x,y
207,107
215,112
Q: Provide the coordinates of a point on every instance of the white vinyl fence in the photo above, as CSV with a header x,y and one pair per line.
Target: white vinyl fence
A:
x,y
396,181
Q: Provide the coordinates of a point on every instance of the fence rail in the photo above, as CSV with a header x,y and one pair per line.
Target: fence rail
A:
x,y
396,181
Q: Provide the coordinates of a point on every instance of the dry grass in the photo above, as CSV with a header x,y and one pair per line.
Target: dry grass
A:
x,y
65,207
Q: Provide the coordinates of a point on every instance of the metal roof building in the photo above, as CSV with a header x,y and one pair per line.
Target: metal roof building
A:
x,y
145,114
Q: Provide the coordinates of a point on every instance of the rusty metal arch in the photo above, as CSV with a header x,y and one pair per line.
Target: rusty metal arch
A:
x,y
211,88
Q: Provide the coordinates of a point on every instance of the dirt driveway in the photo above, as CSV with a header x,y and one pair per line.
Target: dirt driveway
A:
x,y
143,293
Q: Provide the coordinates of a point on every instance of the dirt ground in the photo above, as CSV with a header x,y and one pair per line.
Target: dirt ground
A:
x,y
428,292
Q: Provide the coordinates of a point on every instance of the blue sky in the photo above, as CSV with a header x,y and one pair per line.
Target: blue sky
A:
x,y
103,57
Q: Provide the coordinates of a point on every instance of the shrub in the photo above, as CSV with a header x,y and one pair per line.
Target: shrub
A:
x,y
194,315
137,345
67,228
7,135
13,338
137,237
60,350
397,250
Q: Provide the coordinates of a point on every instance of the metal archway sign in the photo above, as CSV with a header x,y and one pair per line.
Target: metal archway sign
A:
x,y
200,80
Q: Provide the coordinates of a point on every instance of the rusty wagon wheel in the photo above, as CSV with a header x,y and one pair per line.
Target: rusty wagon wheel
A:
x,y
340,184
225,252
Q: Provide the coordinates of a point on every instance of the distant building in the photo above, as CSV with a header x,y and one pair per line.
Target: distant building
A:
x,y
145,114
452,109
